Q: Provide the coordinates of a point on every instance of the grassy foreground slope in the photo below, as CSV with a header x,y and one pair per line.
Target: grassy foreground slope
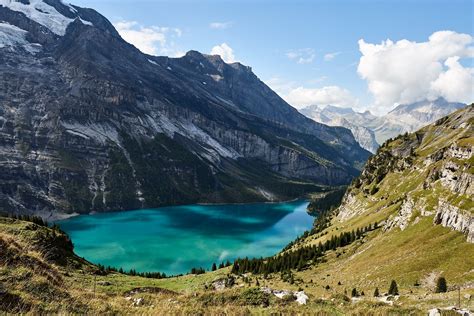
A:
x,y
39,273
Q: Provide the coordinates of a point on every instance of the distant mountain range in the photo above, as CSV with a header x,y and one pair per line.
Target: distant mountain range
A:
x,y
346,117
90,123
370,130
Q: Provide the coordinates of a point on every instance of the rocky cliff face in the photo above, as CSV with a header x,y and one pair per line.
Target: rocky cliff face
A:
x,y
89,123
425,174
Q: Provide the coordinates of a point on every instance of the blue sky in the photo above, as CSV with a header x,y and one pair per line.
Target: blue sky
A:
x,y
285,42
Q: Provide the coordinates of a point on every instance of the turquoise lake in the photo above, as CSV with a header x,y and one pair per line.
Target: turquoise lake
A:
x,y
175,239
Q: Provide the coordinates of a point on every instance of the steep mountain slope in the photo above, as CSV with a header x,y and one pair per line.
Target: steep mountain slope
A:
x,y
348,118
435,164
89,123
419,190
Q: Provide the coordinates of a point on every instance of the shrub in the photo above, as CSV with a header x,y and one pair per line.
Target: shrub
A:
x,y
340,297
255,297
441,285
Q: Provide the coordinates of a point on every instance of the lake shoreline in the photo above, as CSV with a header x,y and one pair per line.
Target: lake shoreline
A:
x,y
63,216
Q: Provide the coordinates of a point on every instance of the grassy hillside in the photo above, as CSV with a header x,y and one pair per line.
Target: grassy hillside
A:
x,y
38,281
411,181
39,273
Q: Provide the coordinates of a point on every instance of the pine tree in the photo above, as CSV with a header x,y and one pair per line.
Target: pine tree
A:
x,y
393,290
354,292
376,292
441,285
214,267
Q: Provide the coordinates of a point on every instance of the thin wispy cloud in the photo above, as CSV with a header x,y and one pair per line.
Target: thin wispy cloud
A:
x,y
302,55
220,25
331,56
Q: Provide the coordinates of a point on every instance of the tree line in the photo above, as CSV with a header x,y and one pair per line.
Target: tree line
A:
x,y
300,258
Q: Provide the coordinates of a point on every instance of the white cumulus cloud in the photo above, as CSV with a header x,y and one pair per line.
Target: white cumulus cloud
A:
x,y
407,71
152,40
456,83
225,51
302,56
330,95
299,96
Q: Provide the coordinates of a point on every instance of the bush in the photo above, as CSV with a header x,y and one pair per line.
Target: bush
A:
x,y
340,297
441,285
255,297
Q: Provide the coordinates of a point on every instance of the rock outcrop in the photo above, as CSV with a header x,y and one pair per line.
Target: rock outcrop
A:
x,y
455,218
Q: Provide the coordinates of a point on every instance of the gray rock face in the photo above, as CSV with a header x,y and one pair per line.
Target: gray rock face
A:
x,y
89,123
453,217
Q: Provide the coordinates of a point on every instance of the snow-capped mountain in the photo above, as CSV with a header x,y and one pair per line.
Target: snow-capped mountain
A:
x,y
411,117
90,123
348,118
370,130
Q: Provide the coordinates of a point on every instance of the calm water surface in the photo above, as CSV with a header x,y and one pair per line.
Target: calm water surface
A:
x,y
175,239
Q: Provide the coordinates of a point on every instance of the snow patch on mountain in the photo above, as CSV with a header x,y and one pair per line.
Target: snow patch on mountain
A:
x,y
13,36
43,13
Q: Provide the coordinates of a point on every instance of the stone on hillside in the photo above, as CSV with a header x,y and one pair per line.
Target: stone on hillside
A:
x,y
301,297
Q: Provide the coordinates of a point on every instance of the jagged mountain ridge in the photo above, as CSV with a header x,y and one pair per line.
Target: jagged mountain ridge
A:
x,y
89,123
347,118
371,130
407,118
